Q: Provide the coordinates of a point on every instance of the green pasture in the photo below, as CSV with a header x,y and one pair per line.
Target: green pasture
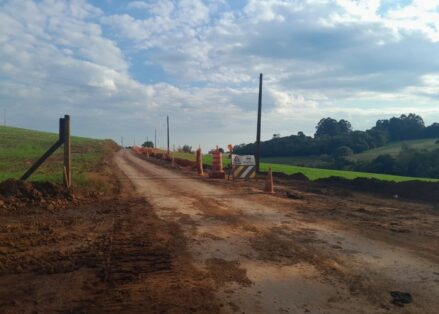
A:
x,y
19,148
311,173
302,161
395,148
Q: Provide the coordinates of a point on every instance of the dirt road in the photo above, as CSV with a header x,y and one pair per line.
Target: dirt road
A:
x,y
317,254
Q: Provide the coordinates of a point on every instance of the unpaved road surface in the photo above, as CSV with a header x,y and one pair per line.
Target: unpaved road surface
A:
x,y
94,255
313,254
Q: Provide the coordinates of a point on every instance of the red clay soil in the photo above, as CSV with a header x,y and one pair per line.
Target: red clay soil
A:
x,y
59,254
129,254
31,190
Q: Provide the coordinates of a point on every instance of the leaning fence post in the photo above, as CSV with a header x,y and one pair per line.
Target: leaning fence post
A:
x,y
67,152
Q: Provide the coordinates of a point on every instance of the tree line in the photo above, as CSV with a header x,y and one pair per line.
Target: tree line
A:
x,y
335,141
331,134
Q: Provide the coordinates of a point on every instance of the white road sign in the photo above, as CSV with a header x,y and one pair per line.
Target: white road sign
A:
x,y
244,160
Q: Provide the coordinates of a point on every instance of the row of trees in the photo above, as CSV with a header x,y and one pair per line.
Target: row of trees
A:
x,y
185,148
335,141
331,134
301,145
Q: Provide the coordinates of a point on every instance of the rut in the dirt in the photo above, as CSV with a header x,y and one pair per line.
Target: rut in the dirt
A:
x,y
129,257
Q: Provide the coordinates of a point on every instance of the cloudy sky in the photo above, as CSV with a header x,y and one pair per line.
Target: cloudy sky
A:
x,y
119,67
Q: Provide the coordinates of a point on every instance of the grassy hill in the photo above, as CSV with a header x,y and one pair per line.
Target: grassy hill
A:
x,y
324,163
394,149
19,148
311,173
319,162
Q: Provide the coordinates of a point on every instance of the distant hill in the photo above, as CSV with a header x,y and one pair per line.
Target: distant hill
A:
x,y
334,137
400,146
395,148
392,149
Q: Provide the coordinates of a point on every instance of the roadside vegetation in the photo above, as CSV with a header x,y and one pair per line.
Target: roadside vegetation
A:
x,y
394,148
327,161
311,173
19,148
398,146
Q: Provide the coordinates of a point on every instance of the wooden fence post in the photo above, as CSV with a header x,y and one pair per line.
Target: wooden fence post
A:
x,y
67,151
64,138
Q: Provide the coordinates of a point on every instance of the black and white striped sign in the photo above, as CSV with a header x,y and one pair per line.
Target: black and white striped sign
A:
x,y
244,172
243,166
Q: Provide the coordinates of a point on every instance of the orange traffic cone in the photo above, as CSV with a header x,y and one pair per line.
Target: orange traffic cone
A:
x,y
269,188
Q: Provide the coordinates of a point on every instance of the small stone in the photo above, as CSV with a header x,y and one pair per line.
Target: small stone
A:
x,y
401,298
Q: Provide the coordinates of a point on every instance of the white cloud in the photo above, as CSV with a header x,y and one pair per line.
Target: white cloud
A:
x,y
138,5
352,59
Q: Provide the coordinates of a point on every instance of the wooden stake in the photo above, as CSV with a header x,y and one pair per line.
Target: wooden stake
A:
x,y
67,151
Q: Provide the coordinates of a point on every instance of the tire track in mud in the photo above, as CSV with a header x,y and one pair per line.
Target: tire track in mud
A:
x,y
101,256
146,268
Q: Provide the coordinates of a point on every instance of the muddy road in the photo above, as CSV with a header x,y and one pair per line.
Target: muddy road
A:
x,y
317,253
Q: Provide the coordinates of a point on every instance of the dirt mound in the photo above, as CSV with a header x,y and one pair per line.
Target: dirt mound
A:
x,y
185,162
31,190
295,176
425,191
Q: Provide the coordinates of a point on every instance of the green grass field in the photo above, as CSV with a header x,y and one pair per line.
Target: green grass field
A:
x,y
317,173
311,173
307,161
395,148
19,148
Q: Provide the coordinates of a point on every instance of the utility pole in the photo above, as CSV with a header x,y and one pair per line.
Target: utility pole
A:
x,y
258,130
167,127
4,117
155,138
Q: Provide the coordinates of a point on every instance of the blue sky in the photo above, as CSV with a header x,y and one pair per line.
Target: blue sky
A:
x,y
119,67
